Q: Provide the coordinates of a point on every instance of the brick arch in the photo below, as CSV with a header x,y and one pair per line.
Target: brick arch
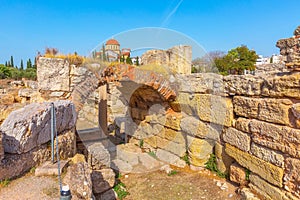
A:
x,y
122,72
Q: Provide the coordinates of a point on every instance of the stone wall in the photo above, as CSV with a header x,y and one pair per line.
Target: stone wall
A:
x,y
177,59
249,122
290,47
25,136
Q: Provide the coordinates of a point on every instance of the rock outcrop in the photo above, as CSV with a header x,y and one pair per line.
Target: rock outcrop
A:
x,y
29,127
290,48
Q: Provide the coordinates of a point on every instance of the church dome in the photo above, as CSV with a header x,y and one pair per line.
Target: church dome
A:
x,y
112,42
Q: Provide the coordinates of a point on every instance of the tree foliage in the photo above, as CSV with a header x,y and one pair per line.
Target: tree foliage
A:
x,y
236,61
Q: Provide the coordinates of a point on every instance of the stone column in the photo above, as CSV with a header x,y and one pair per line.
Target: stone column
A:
x,y
102,108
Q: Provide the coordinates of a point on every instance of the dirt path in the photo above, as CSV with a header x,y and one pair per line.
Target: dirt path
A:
x,y
30,187
184,185
181,186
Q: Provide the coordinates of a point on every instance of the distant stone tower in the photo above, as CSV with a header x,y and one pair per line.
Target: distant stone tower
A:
x,y
178,58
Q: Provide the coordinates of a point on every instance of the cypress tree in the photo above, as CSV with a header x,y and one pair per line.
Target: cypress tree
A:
x,y
29,64
11,61
21,65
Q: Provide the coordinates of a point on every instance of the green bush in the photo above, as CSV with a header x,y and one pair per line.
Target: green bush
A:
x,y
121,191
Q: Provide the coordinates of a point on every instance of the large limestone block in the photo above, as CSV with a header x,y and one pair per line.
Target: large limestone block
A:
x,y
243,85
276,137
271,110
265,189
212,108
197,128
267,154
238,174
292,176
53,74
15,165
78,177
268,171
223,159
237,138
199,151
29,127
282,86
103,180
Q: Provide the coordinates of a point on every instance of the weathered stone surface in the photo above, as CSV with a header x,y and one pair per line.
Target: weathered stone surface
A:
x,y
78,177
166,156
212,108
102,180
276,137
238,174
5,110
66,144
271,110
50,169
296,110
195,127
108,195
199,150
1,147
267,154
174,136
98,156
223,159
269,172
26,92
237,138
53,74
292,176
129,153
247,194
205,83
290,48
282,86
14,165
172,120
121,166
178,58
265,189
6,99
148,161
31,125
243,85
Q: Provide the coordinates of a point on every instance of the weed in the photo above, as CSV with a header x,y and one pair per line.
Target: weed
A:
x,y
32,170
152,153
119,175
4,183
247,174
120,189
186,159
173,172
141,143
211,164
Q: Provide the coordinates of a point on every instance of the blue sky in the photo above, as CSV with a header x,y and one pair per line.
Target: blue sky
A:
x,y
73,25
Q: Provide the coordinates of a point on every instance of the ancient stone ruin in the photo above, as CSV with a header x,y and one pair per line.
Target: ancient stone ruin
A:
x,y
249,122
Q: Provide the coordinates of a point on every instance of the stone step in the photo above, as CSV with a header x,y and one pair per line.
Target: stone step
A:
x,y
50,169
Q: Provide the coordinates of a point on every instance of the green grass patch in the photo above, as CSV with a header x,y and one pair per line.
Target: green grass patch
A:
x,y
248,172
173,172
5,182
141,143
211,164
152,153
121,191
186,159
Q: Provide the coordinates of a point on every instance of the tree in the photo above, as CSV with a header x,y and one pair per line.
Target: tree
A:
x,y
122,59
128,60
21,65
6,64
237,60
4,71
137,61
29,64
103,53
206,63
12,61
